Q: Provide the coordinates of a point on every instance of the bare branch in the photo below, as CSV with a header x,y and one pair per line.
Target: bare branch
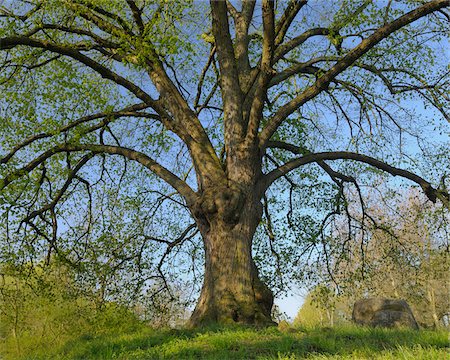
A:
x,y
202,76
428,189
270,233
297,41
299,68
291,11
50,206
303,151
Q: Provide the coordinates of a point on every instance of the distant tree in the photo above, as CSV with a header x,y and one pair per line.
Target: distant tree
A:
x,y
192,120
318,309
39,305
44,307
406,256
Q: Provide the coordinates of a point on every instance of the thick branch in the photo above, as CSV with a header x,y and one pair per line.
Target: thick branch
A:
x,y
431,192
299,68
353,55
297,41
107,26
159,170
13,41
182,121
266,71
137,15
242,21
286,19
303,151
128,111
229,76
187,126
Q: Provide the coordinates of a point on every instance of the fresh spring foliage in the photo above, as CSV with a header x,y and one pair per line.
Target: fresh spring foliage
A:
x,y
43,308
185,150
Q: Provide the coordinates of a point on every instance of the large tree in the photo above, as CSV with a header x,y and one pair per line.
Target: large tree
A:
x,y
218,102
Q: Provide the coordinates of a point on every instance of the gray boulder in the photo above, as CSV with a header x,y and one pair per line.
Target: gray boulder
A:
x,y
383,312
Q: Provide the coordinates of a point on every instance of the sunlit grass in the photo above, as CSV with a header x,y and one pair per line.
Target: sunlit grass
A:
x,y
248,343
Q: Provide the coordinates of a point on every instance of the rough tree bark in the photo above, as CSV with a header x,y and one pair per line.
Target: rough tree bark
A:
x,y
232,291
227,216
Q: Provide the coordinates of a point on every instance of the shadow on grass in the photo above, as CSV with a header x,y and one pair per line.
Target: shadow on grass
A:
x,y
247,343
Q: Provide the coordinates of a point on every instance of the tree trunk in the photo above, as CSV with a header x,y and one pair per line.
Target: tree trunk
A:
x,y
432,302
232,291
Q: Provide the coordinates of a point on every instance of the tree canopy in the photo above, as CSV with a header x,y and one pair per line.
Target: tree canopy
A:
x,y
238,129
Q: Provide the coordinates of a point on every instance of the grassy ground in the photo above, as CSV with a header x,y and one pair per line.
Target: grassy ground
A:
x,y
247,343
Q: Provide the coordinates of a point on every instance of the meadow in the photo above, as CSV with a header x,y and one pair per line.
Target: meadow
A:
x,y
138,341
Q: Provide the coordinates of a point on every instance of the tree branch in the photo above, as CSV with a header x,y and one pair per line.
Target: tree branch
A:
x,y
128,111
13,41
242,22
291,11
299,68
72,175
428,189
187,126
266,72
100,22
303,151
202,76
181,186
137,15
229,77
340,66
297,41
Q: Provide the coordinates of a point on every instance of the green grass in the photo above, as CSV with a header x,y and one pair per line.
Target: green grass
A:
x,y
248,343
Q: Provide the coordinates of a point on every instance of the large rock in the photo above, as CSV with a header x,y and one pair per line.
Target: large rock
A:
x,y
383,312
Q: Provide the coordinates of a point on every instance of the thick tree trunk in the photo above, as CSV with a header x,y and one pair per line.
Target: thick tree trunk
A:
x,y
232,291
